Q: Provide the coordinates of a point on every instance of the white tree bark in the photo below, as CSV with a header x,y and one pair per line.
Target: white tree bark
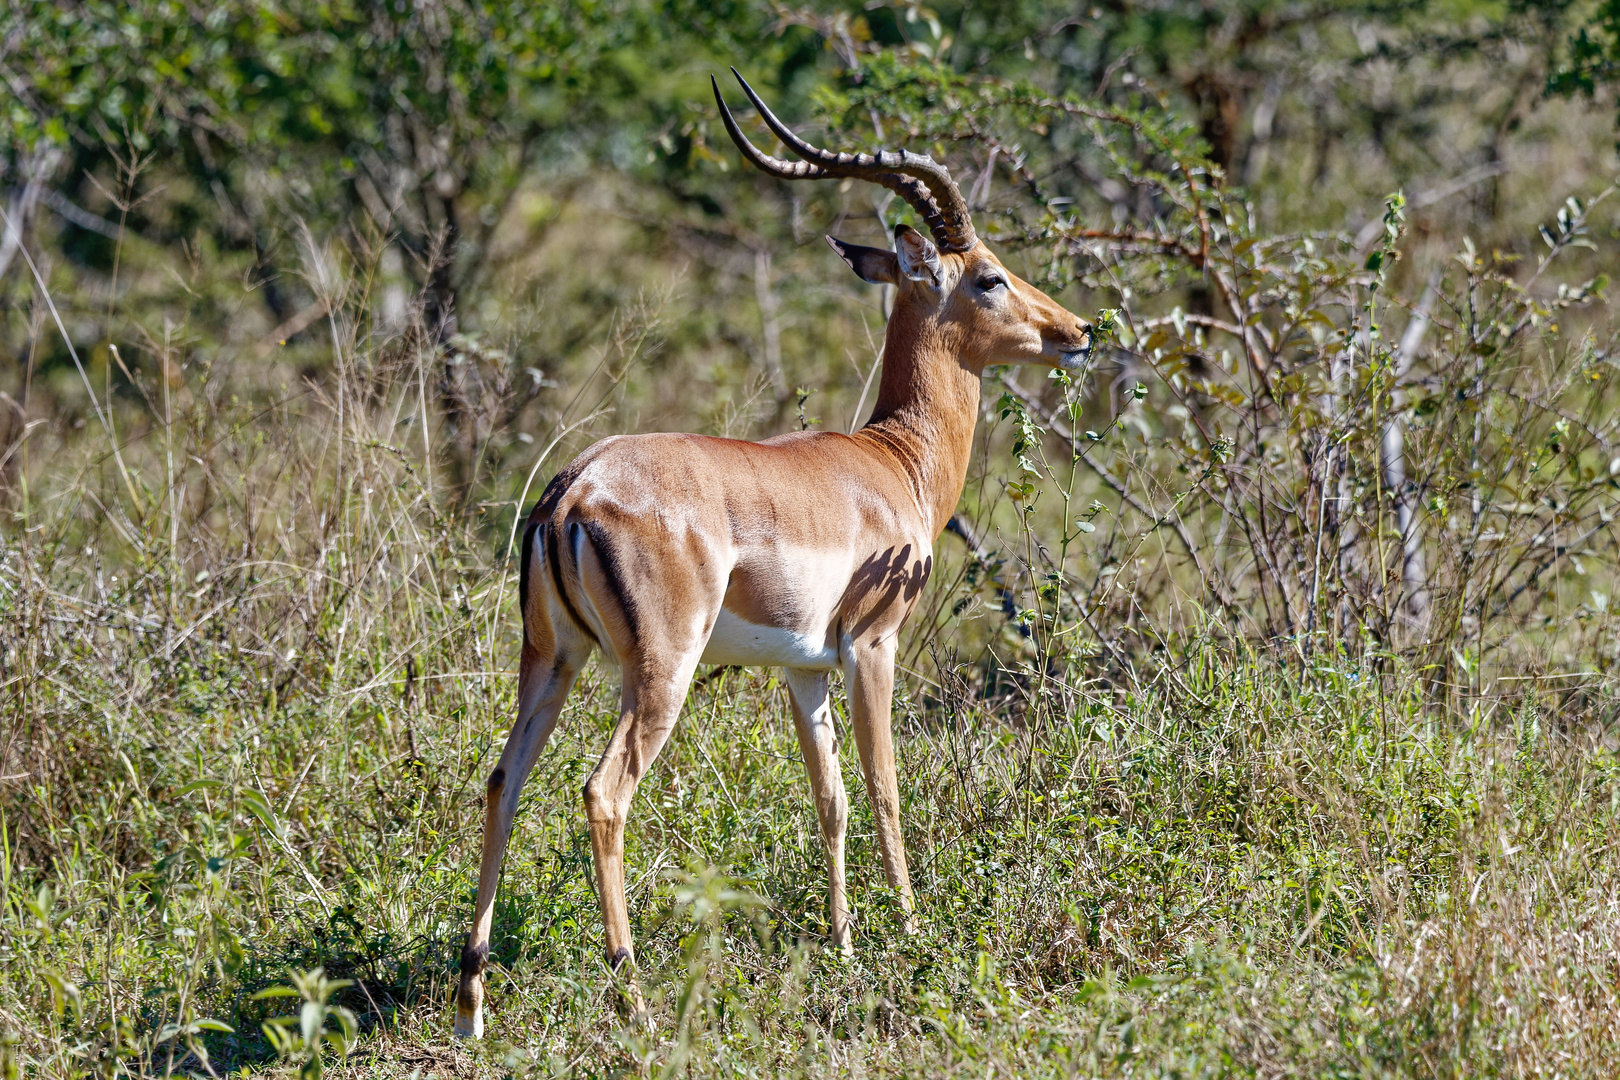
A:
x,y
772,326
1414,598
37,169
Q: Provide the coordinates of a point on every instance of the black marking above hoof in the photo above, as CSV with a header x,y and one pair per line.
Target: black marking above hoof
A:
x,y
619,958
473,961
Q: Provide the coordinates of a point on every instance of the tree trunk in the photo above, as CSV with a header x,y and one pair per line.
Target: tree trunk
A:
x,y
1413,601
20,209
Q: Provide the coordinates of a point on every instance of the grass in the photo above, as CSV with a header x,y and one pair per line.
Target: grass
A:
x,y
257,665
258,755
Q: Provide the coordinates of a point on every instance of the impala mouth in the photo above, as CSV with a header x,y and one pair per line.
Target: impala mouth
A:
x,y
1075,358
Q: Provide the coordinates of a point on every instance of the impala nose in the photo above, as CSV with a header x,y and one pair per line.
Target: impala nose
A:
x,y
1070,359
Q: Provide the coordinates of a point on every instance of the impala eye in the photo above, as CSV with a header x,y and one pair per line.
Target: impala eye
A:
x,y
988,283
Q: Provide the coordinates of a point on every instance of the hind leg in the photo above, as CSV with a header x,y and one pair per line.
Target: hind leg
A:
x,y
543,685
647,713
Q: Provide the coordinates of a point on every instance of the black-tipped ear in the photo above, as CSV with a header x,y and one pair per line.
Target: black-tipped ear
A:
x,y
876,265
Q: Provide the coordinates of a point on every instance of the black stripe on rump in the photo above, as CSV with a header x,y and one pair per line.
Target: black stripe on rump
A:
x,y
613,572
523,568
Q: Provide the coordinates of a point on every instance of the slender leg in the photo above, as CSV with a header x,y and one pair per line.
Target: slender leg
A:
x,y
542,688
870,673
648,710
812,721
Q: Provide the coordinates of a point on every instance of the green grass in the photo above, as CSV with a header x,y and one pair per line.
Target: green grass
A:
x,y
1264,872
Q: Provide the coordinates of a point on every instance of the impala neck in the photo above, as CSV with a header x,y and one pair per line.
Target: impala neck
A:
x,y
927,407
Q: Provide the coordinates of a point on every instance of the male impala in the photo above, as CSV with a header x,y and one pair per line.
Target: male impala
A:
x,y
806,551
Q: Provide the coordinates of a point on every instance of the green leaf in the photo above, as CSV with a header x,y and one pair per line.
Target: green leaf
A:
x,y
259,806
199,785
310,1018
275,992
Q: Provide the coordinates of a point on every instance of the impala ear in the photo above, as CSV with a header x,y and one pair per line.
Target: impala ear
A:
x,y
917,256
870,264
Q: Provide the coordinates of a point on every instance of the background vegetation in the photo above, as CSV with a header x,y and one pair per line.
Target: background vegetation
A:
x,y
1259,719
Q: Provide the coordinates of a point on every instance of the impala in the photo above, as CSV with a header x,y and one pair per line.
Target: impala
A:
x,y
806,551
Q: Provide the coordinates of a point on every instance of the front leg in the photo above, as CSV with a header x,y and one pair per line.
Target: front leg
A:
x,y
869,670
812,721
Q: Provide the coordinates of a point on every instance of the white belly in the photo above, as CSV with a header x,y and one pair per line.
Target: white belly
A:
x,y
735,641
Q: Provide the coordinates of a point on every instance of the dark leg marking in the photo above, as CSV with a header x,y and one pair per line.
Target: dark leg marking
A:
x,y
473,961
620,957
497,781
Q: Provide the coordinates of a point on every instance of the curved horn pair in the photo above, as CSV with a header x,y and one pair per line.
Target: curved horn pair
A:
x,y
916,178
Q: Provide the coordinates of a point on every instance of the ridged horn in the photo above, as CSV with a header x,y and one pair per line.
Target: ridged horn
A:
x,y
916,178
